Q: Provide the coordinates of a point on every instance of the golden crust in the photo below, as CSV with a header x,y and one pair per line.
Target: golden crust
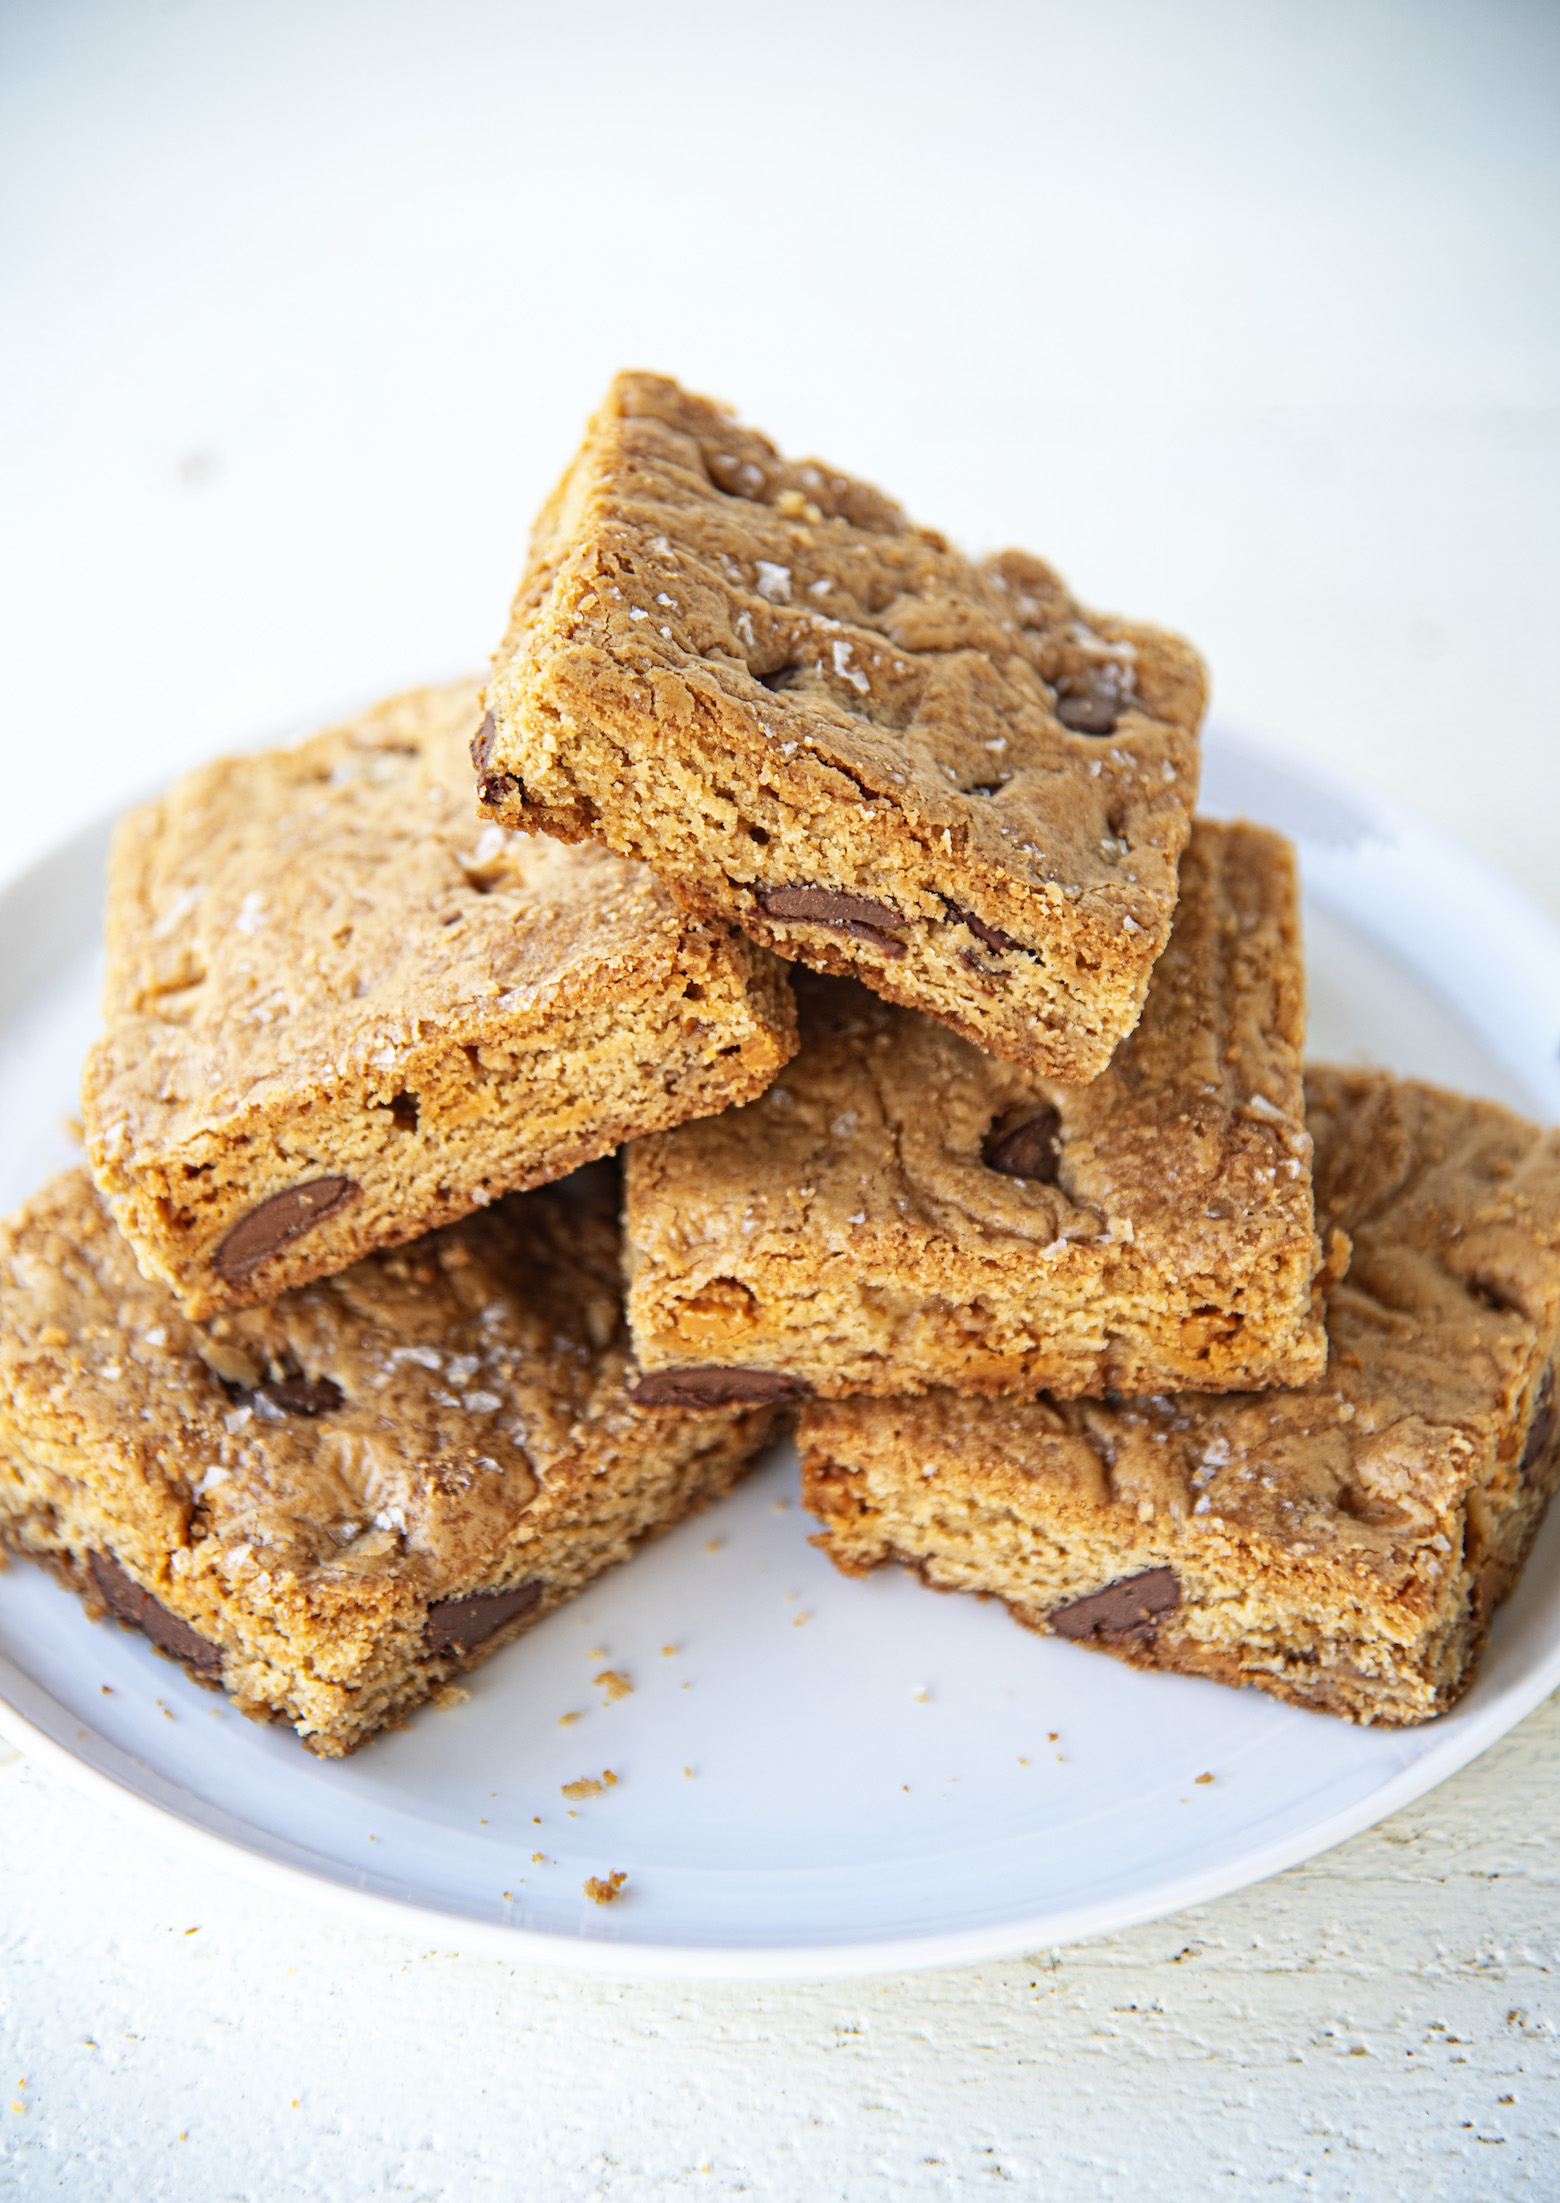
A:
x,y
758,677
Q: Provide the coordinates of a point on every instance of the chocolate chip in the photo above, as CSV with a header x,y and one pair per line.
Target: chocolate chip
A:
x,y
827,906
128,1603
1089,711
301,1395
993,938
856,915
492,786
274,1222
698,1388
482,742
738,477
456,1625
1124,1613
1541,1431
1030,1150
874,937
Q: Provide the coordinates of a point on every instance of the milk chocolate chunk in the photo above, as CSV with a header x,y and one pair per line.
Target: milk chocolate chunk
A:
x,y
302,1395
493,784
1089,711
128,1603
687,1388
827,906
278,1220
1030,1150
456,1625
874,937
993,936
1126,1612
737,476
1541,1431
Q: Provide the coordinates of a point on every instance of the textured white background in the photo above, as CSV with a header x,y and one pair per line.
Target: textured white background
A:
x,y
1245,312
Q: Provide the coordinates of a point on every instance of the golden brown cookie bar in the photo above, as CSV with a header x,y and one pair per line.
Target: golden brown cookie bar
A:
x,y
336,1504
341,1011
811,717
1341,1545
901,1212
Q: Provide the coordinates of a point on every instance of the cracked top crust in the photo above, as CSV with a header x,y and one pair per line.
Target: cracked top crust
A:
x,y
683,571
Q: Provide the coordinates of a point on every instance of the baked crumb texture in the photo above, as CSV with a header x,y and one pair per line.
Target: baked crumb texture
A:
x,y
336,1504
876,756
340,1010
901,1211
1342,1545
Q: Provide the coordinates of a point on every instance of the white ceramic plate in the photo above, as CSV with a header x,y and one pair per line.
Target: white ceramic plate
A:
x,y
820,1777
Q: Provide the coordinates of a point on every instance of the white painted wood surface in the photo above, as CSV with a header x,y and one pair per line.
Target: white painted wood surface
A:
x,y
1247,316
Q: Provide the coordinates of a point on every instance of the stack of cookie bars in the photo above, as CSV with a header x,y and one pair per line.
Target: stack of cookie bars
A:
x,y
850,892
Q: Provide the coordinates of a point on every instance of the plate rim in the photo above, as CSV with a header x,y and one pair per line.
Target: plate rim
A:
x,y
605,1956
797,1962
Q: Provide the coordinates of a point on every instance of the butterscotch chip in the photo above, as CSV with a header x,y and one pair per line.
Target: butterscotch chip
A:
x,y
341,1010
1341,1544
336,1504
901,1212
878,757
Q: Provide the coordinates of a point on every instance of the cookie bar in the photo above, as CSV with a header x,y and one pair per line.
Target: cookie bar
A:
x,y
341,1011
901,1212
335,1505
1341,1545
878,757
